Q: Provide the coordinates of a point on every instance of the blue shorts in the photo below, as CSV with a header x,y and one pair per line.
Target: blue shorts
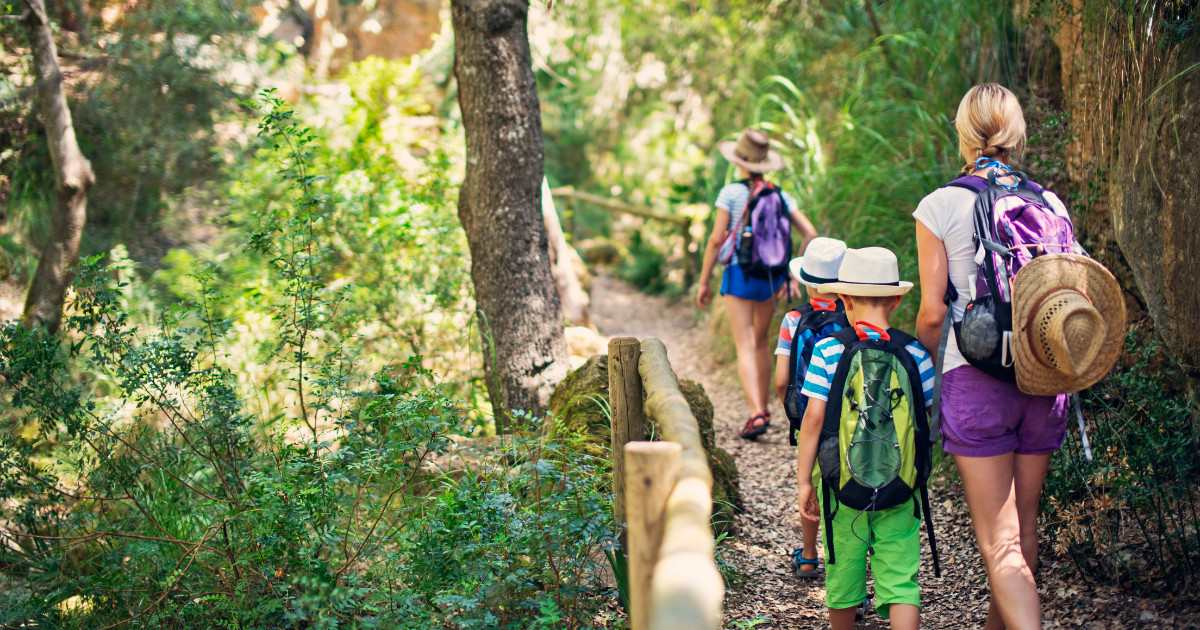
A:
x,y
735,282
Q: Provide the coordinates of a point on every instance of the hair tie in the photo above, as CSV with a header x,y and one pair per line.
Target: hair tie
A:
x,y
995,151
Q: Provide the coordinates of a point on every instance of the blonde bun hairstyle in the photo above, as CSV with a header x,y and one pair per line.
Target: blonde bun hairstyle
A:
x,y
990,124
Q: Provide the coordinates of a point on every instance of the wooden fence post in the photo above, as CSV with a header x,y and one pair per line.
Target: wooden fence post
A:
x,y
625,403
689,263
651,469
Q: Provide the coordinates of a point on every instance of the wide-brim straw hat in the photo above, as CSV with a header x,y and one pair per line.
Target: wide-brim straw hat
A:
x,y
868,272
752,151
1068,324
820,262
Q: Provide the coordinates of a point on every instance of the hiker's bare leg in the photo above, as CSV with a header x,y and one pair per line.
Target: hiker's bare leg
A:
x,y
992,499
741,319
904,616
841,618
764,312
1029,475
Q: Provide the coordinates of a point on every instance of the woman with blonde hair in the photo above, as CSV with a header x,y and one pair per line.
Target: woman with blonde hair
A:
x,y
1001,438
749,300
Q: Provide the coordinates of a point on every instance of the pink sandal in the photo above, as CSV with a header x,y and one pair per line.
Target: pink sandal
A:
x,y
751,431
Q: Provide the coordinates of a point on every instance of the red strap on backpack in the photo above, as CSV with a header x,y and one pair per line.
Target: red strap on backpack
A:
x,y
862,327
822,304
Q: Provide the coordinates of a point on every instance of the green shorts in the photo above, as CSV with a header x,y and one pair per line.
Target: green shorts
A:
x,y
897,557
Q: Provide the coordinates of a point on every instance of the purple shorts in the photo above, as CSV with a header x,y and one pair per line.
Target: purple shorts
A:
x,y
983,416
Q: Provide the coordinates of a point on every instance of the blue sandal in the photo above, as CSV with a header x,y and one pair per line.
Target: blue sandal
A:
x,y
799,562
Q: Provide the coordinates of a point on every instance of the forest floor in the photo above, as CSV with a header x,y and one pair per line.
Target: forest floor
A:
x,y
766,594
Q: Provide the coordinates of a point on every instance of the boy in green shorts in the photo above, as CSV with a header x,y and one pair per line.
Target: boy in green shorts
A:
x,y
869,286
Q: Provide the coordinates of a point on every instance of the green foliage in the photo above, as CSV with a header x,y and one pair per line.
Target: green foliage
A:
x,y
150,90
387,191
864,121
1131,515
142,482
645,267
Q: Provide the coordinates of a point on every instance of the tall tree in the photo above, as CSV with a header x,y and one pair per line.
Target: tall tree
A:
x,y
500,205
72,176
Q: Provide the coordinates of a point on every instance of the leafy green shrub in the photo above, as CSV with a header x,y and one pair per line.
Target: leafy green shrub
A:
x,y
645,267
142,482
1132,513
153,81
391,188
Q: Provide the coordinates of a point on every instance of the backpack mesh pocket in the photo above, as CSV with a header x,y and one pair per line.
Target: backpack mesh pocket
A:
x,y
980,332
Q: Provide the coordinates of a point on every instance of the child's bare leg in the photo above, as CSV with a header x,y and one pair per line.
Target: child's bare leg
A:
x,y
808,533
841,618
904,616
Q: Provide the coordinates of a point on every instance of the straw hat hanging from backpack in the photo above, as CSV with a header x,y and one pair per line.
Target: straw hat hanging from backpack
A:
x,y
1068,324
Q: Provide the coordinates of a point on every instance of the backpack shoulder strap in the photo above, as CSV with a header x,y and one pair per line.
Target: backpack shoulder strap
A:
x,y
898,345
802,311
846,336
900,338
970,182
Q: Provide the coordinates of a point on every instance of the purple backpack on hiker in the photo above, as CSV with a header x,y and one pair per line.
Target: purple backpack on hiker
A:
x,y
1013,225
764,245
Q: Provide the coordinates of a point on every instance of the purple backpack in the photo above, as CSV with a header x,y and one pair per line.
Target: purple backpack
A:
x,y
1013,225
764,245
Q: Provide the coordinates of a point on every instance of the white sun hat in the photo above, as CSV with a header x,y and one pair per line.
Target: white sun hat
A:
x,y
869,272
820,262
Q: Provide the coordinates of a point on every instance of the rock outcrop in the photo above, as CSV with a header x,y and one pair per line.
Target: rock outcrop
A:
x,y
579,408
1134,120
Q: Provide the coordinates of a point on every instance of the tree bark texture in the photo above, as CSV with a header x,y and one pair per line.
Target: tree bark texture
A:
x,y
73,178
500,206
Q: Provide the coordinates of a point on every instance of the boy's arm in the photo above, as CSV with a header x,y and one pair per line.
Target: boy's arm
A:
x,y
806,452
782,375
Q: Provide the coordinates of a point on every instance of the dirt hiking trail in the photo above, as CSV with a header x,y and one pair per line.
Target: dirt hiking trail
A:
x,y
767,595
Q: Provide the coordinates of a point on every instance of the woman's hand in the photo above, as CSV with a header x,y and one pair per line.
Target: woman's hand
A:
x,y
791,287
703,296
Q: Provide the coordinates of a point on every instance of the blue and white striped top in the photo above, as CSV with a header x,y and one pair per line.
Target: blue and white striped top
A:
x,y
732,199
828,352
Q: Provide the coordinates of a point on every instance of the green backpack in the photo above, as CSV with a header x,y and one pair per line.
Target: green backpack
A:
x,y
875,450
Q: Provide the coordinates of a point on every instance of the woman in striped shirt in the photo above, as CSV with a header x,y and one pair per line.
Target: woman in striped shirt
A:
x,y
750,301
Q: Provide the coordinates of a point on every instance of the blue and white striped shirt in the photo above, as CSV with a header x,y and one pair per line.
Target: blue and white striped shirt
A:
x,y
828,352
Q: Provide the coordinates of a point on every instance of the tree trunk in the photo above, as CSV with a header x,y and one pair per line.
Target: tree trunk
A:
x,y
73,179
562,264
500,206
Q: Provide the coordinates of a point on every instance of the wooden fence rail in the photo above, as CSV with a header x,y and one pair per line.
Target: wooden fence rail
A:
x,y
674,583
681,222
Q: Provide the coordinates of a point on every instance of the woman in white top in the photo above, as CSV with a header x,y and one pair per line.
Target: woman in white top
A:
x,y
749,300
1001,438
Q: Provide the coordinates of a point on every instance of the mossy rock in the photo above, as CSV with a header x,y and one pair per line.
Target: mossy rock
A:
x,y
579,409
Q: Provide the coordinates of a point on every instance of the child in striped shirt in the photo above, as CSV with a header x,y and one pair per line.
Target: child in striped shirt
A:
x,y
869,284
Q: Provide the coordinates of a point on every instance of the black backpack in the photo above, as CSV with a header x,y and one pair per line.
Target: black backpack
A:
x,y
822,324
875,398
